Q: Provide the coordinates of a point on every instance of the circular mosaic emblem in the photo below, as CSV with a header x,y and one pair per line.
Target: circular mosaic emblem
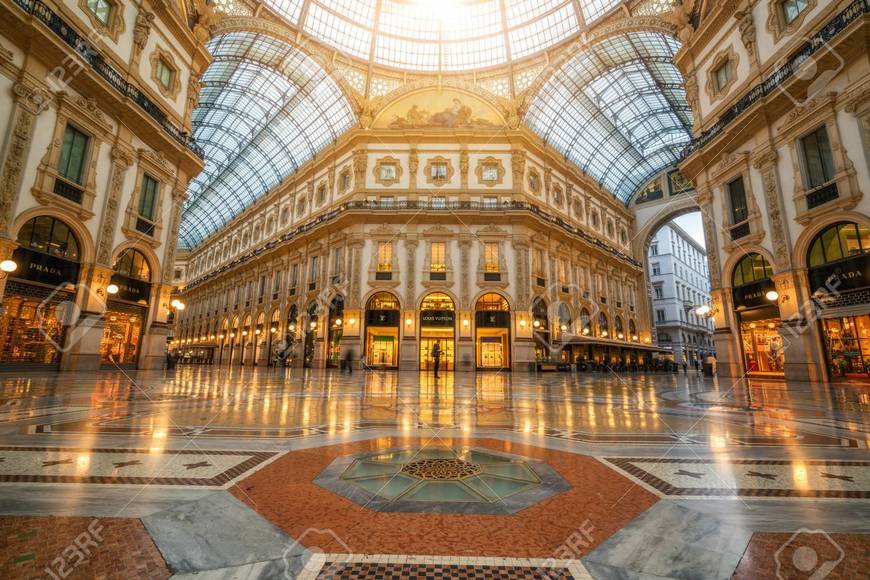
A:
x,y
441,469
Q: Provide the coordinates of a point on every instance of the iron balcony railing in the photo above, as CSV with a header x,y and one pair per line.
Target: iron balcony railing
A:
x,y
773,83
439,206
42,12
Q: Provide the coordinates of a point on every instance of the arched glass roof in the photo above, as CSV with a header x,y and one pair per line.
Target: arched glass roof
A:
x,y
441,35
264,110
618,110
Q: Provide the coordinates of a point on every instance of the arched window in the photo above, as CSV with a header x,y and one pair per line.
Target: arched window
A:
x,y
617,327
602,324
132,264
752,268
585,322
492,301
839,242
51,236
383,301
437,301
632,329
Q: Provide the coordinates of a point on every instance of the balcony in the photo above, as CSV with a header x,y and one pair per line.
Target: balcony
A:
x,y
492,277
739,231
68,190
385,276
144,227
822,195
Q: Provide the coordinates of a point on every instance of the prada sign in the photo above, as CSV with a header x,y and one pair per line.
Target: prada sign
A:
x,y
753,295
437,318
382,318
44,268
843,276
131,289
492,319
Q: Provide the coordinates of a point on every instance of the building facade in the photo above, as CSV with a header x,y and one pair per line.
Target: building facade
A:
x,y
781,96
394,239
95,158
680,282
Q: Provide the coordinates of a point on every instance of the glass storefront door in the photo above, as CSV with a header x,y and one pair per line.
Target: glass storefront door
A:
x,y
381,347
847,344
763,350
30,331
121,336
447,350
492,352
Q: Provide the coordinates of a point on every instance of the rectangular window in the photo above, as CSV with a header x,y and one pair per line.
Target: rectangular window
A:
x,y
489,172
737,195
791,9
654,250
660,316
102,9
262,289
491,258
722,75
313,271
276,282
656,269
294,276
659,292
337,255
164,73
385,256
439,254
439,171
818,160
72,155
148,197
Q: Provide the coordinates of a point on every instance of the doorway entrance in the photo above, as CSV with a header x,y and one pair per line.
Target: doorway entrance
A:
x,y
437,324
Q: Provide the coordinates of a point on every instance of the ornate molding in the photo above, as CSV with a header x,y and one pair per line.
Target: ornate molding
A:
x,y
439,180
776,23
122,159
142,30
387,177
728,57
495,164
115,25
160,55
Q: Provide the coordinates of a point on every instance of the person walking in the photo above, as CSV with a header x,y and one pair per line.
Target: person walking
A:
x,y
348,361
436,356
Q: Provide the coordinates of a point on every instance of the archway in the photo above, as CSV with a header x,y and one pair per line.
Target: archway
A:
x,y
40,295
335,330
492,321
382,323
127,309
758,318
438,325
260,339
838,263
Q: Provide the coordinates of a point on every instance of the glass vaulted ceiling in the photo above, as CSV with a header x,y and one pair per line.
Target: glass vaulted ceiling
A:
x,y
265,109
441,35
617,110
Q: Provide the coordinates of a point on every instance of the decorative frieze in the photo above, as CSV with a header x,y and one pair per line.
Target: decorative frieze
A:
x,y
122,159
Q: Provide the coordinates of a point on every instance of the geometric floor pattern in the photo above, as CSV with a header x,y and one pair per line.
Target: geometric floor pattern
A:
x,y
209,472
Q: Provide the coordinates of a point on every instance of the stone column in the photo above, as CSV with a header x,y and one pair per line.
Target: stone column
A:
x,y
85,321
7,247
800,331
726,337
465,346
31,98
409,348
122,159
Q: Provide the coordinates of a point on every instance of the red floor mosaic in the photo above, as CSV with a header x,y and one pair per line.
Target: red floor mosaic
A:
x,y
810,554
78,548
600,500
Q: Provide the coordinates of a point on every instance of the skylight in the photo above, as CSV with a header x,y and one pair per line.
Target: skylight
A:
x,y
265,109
618,110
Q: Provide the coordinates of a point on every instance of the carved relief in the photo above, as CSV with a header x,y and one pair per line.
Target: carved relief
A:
x,y
518,168
360,162
746,24
142,30
122,159
766,164
410,278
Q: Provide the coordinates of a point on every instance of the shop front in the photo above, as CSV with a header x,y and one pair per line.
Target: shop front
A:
x,y
382,331
839,276
335,331
438,325
126,310
541,329
492,320
758,317
309,344
40,294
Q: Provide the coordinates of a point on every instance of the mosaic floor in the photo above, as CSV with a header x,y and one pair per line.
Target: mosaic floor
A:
x,y
213,473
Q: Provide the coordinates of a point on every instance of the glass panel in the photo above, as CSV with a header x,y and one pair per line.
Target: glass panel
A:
x,y
737,194
442,491
849,240
370,469
389,487
148,197
818,160
831,244
72,154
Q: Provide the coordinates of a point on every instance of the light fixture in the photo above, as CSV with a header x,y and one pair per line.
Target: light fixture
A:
x,y
772,295
313,324
703,310
536,323
564,327
523,323
232,335
586,330
8,266
604,333
292,328
634,337
211,337
752,325
620,336
273,330
222,336
771,325
338,321
244,333
465,322
257,331
112,289
408,322
351,321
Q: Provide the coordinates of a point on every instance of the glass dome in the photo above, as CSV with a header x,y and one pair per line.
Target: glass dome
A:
x,y
441,35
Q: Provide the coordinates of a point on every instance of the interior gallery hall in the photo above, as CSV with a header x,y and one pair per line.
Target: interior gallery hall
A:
x,y
398,289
